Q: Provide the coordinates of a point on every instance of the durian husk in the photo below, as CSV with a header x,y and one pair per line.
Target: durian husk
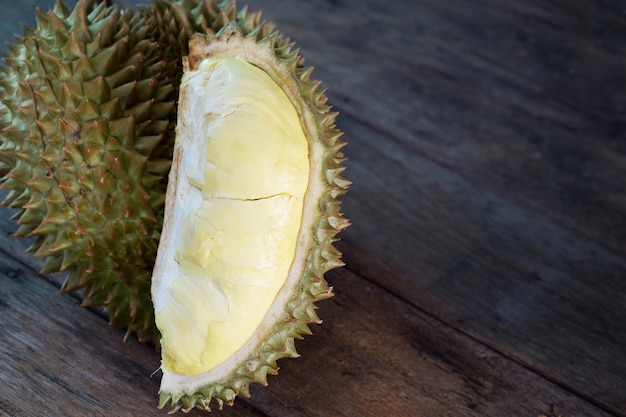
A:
x,y
293,310
85,146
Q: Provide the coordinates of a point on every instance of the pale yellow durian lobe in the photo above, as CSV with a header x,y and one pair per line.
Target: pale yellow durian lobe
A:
x,y
233,214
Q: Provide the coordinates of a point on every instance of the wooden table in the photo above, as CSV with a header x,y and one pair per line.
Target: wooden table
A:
x,y
486,264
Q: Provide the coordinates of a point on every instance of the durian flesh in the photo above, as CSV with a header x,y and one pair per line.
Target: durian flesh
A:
x,y
233,215
250,217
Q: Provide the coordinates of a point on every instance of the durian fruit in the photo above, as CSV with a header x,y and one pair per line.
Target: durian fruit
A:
x,y
87,116
85,147
251,215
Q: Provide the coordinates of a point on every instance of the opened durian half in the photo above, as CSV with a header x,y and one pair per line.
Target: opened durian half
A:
x,y
87,116
250,218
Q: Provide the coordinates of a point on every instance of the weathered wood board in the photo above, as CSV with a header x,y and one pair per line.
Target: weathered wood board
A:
x,y
375,355
486,263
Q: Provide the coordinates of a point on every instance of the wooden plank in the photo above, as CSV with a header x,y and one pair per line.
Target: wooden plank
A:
x,y
525,97
374,356
504,274
508,276
59,359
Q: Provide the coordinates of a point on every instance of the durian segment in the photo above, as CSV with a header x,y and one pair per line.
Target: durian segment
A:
x,y
233,213
292,309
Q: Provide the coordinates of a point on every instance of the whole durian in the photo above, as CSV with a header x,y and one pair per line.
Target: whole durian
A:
x,y
246,231
85,144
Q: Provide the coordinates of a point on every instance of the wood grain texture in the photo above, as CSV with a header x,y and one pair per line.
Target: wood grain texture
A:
x,y
501,273
487,257
383,357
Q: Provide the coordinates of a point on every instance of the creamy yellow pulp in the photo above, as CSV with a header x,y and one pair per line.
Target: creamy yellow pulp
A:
x,y
242,175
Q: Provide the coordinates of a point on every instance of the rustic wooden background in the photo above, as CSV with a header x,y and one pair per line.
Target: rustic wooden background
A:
x,y
486,264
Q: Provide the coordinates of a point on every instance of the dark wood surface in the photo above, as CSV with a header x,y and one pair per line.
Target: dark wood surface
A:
x,y
486,263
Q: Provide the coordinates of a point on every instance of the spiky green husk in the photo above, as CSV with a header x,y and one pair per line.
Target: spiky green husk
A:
x,y
324,218
85,143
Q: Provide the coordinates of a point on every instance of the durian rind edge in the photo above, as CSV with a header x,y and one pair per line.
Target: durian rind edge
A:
x,y
294,309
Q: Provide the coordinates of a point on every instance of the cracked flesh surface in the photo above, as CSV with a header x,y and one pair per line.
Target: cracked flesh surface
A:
x,y
233,214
